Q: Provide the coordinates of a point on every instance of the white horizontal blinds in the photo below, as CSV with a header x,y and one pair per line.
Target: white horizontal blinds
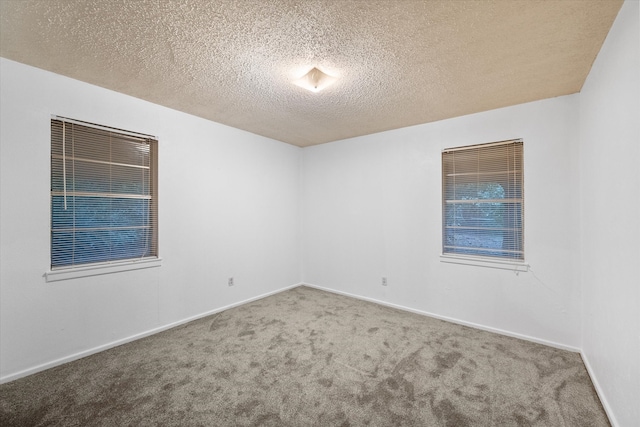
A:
x,y
103,195
483,204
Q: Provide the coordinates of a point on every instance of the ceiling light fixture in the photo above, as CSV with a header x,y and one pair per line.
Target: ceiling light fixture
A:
x,y
315,80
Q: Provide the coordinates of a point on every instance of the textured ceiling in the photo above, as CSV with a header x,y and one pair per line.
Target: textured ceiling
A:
x,y
399,63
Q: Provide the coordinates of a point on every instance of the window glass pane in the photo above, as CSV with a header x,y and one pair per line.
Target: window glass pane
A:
x,y
131,153
61,218
461,238
128,180
99,245
89,177
99,212
129,212
134,243
87,143
62,248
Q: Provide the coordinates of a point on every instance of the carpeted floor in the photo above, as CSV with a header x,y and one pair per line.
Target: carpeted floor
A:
x,y
305,357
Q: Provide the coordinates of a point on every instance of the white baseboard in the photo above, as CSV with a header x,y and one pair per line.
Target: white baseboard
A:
x,y
594,379
596,385
89,352
452,320
85,353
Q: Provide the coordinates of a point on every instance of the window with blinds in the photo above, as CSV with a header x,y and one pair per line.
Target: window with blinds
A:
x,y
483,203
104,204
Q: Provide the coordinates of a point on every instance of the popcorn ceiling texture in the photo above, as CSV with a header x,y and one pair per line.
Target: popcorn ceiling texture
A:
x,y
399,63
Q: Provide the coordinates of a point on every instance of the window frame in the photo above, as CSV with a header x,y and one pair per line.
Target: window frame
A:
x,y
109,262
478,259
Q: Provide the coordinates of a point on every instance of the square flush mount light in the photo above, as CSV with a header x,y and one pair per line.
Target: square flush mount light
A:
x,y
315,80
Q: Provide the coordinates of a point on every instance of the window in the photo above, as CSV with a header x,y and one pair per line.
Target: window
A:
x,y
104,204
482,192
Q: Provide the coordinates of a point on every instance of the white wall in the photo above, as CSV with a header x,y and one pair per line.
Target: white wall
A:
x,y
610,211
228,206
372,208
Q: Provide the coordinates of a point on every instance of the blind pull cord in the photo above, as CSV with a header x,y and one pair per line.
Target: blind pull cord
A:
x,y
145,206
64,166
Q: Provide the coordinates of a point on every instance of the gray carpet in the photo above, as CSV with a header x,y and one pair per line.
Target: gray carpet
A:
x,y
305,357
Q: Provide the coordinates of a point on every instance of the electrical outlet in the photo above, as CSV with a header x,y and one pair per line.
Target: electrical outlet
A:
x,y
384,281
230,282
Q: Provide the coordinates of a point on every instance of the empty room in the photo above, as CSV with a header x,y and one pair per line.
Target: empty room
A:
x,y
319,213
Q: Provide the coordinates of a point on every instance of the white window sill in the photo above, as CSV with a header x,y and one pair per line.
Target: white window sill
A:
x,y
100,269
517,266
